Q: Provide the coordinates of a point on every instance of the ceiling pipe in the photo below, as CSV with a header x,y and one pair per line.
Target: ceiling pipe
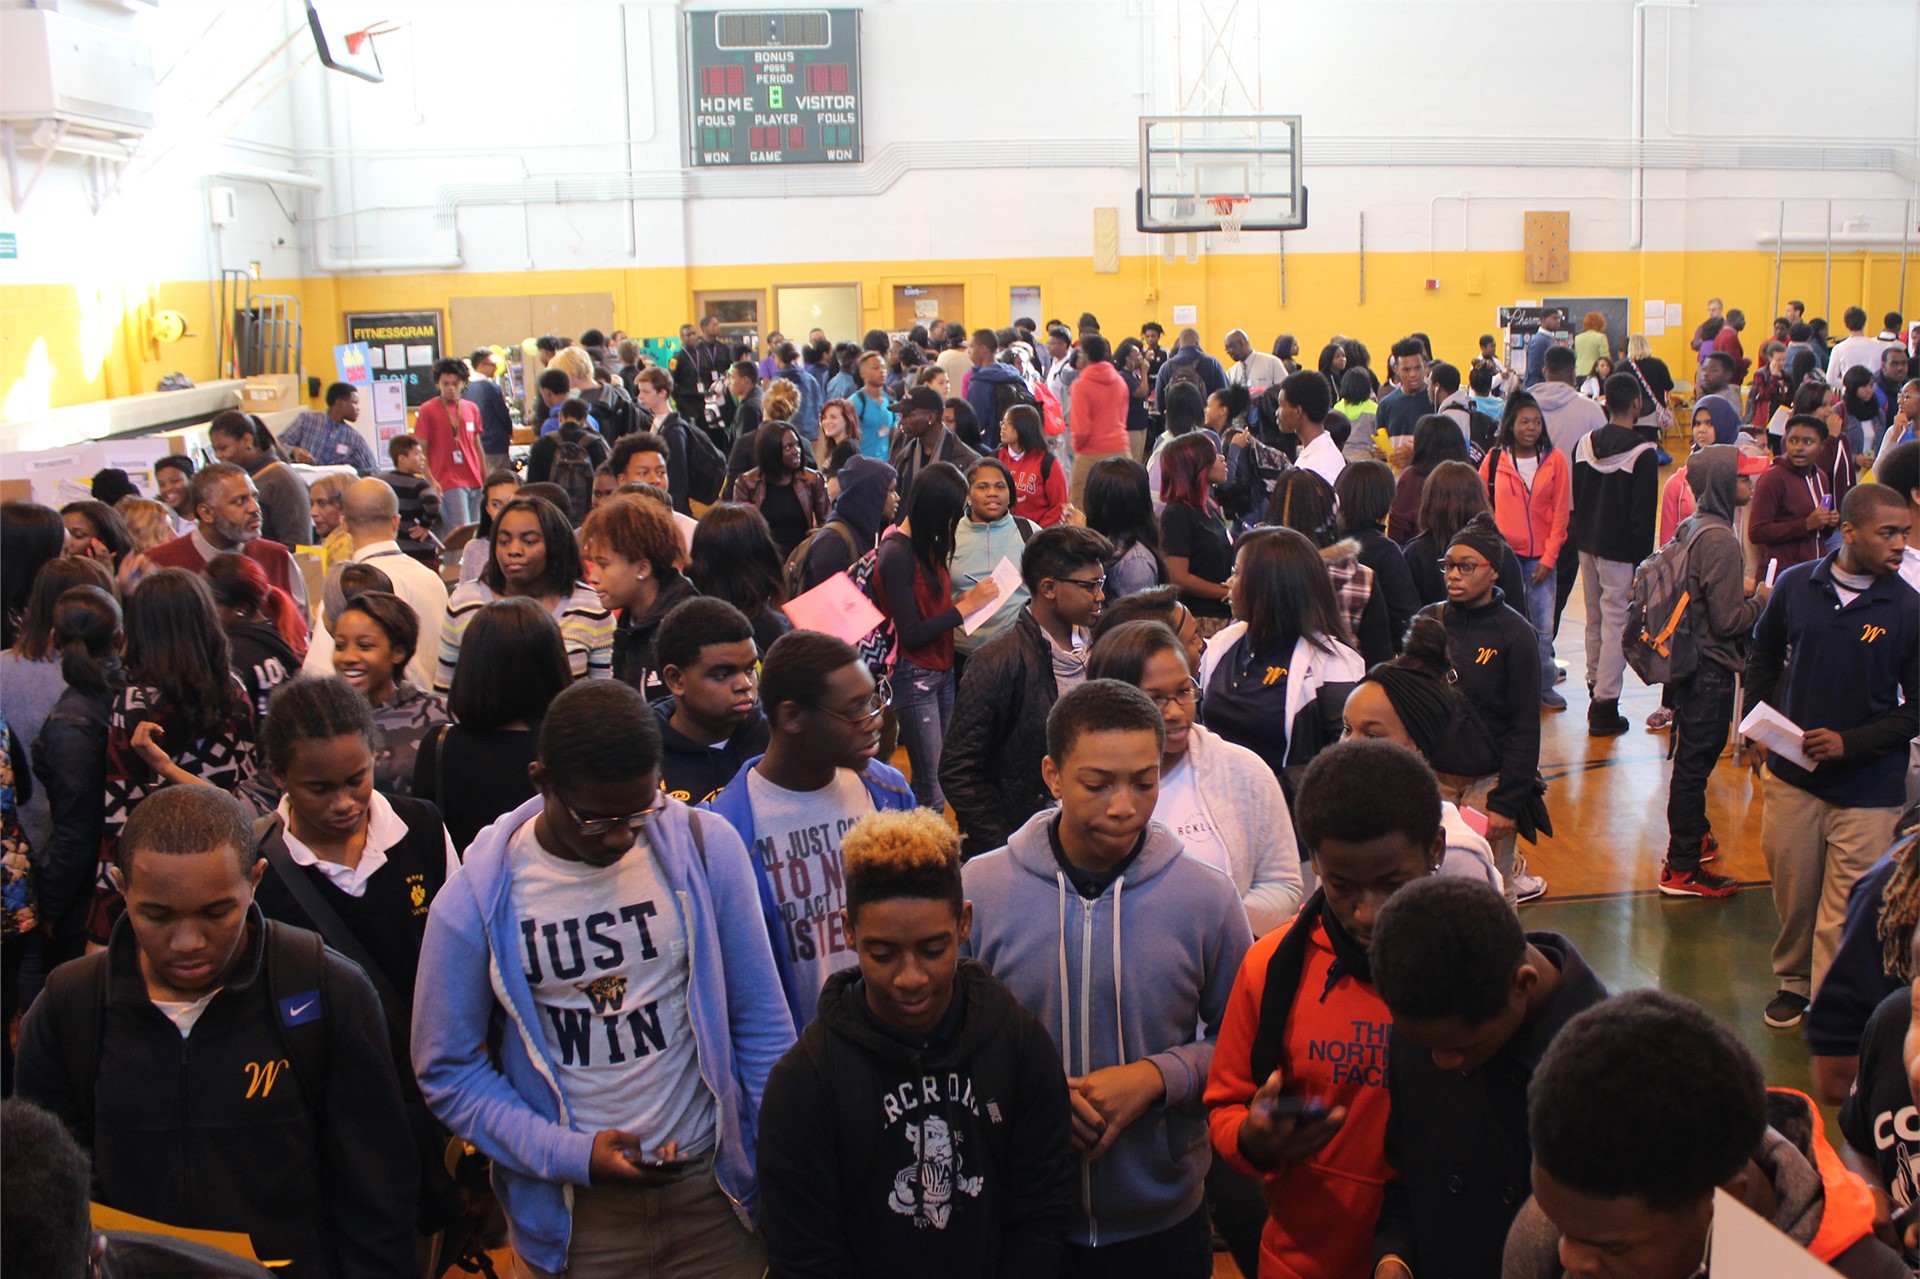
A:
x,y
272,177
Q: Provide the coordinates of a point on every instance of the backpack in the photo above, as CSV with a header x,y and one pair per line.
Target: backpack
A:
x,y
1254,469
1482,431
1183,373
706,465
294,962
17,897
795,571
880,644
1052,416
573,471
613,412
1659,639
1008,394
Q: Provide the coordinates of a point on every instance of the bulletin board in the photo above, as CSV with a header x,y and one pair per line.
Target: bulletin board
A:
x,y
1548,240
402,346
508,321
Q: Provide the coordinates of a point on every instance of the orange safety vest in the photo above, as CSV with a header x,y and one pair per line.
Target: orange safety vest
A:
x,y
1848,1216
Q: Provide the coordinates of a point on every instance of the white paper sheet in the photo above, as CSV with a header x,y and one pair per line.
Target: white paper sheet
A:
x,y
1655,328
1777,733
1186,315
396,356
419,356
1673,315
1746,1244
1654,308
1007,574
377,357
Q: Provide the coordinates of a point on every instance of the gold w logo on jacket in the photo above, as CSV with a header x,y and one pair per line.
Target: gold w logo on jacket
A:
x,y
261,1076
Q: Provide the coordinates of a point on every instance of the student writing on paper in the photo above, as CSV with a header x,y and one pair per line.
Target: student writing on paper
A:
x,y
1837,651
912,586
990,771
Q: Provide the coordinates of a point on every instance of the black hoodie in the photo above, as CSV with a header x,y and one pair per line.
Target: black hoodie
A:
x,y
693,773
946,1161
861,510
1616,494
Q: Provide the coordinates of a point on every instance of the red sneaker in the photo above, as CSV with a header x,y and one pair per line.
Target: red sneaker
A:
x,y
1698,882
1709,849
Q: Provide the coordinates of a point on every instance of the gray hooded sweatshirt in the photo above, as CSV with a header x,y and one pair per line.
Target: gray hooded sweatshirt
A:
x,y
1716,563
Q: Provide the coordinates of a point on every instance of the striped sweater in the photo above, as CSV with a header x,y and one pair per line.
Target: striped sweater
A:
x,y
585,626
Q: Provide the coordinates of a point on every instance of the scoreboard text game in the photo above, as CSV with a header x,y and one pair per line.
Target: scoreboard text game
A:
x,y
774,88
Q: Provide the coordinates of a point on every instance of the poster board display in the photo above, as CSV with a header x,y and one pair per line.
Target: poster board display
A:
x,y
773,87
402,346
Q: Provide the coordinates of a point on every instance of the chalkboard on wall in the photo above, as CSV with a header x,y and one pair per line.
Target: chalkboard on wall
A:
x,y
402,346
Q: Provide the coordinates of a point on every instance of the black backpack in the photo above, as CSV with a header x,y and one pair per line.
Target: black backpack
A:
x,y
573,470
1482,432
706,464
613,412
1006,395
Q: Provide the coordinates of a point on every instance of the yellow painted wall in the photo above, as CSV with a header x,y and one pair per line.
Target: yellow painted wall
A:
x,y
63,344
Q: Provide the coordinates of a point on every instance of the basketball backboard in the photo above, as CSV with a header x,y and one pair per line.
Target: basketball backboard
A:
x,y
1188,161
343,46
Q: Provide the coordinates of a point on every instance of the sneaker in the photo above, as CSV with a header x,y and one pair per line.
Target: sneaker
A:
x,y
1552,700
1527,888
1709,849
1559,672
1698,882
1661,720
1785,1010
1662,456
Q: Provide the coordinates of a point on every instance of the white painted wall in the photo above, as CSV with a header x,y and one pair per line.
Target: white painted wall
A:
x,y
493,93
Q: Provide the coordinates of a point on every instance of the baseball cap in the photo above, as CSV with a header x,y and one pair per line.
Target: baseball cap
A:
x,y
1751,464
919,397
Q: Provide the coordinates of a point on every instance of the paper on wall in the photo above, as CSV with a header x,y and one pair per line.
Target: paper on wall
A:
x,y
835,607
419,356
1654,309
396,355
1007,574
1777,733
1673,315
1186,315
377,357
1656,327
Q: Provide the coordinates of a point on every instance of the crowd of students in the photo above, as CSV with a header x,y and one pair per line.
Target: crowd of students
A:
x,y
623,896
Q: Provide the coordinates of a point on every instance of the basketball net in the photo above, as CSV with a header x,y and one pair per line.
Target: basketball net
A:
x,y
358,40
1231,210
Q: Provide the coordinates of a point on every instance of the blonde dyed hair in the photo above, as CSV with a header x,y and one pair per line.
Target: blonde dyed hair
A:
x,y
575,363
781,400
146,520
901,854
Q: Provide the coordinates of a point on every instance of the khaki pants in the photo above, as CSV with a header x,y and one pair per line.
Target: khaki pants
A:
x,y
1815,851
1609,586
1077,482
687,1230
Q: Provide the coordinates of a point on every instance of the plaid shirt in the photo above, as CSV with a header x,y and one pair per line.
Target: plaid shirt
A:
x,y
323,437
1352,584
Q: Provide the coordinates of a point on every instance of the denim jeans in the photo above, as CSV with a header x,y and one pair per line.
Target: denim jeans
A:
x,y
923,702
1702,717
1540,611
459,507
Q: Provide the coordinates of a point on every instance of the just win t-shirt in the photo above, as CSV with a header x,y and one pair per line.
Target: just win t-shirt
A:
x,y
605,953
797,838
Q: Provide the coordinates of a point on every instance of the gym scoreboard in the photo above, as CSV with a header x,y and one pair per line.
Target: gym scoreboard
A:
x,y
773,86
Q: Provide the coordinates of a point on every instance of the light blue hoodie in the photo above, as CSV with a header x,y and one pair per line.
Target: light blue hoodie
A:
x,y
515,1112
1123,978
977,550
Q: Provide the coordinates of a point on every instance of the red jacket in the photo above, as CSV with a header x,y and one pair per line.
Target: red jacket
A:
x,y
444,443
1098,416
1534,522
1777,518
1039,486
1322,1208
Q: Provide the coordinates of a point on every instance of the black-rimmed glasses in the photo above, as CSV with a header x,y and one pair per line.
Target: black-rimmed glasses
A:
x,y
882,698
596,826
1186,696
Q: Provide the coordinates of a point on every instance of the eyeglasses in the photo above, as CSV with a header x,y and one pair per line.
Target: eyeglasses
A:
x,y
1091,586
592,827
1453,568
882,698
1187,696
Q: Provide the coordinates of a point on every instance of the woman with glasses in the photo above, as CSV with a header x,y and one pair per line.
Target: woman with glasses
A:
x,y
1490,760
791,805
513,663
916,591
1220,798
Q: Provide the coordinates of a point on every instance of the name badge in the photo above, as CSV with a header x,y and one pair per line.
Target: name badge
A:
x,y
458,459
341,448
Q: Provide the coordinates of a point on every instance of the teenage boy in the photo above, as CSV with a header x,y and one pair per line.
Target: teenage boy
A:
x,y
921,439
1123,947
1305,401
419,505
1616,499
448,427
1719,627
711,725
1877,1118
1793,509
990,533
610,929
990,767
1852,685
1645,1106
1297,1095
794,804
920,1126
576,428
330,438
227,1073
1402,408
1475,1003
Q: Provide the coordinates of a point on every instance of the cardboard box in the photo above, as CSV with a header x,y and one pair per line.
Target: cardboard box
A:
x,y
271,393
